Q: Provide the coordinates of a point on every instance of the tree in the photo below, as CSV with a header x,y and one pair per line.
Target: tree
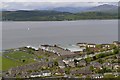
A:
x,y
67,70
100,61
116,51
88,59
23,60
55,63
99,46
92,68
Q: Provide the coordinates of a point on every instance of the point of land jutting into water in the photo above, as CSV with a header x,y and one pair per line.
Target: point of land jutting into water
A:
x,y
80,60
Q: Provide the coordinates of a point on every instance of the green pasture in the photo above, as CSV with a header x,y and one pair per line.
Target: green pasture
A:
x,y
15,59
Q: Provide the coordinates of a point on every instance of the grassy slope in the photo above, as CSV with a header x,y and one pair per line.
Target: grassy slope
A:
x,y
0,63
19,55
7,63
15,59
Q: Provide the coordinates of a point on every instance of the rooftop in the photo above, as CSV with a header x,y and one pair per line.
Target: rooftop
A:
x,y
72,48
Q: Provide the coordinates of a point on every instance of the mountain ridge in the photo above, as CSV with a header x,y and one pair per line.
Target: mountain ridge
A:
x,y
47,15
102,8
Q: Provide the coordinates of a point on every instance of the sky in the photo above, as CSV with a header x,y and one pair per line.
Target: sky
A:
x,y
60,0
46,4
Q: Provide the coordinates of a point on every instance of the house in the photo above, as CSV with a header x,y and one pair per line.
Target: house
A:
x,y
116,43
118,56
97,76
83,56
116,66
50,64
95,49
36,74
81,63
105,46
61,64
82,44
96,65
71,64
107,65
41,74
66,62
45,47
80,71
44,65
35,48
60,72
91,45
116,74
46,73
17,49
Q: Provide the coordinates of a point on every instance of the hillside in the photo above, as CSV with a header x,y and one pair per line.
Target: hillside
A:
x,y
105,8
47,15
101,8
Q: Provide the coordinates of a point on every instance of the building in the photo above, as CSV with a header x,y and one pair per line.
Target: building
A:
x,y
35,48
56,50
116,66
97,76
61,64
107,65
50,64
116,43
96,65
91,45
81,63
73,48
80,72
71,64
82,44
118,56
46,73
60,72
36,74
105,46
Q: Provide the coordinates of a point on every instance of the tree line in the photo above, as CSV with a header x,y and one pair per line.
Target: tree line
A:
x,y
45,15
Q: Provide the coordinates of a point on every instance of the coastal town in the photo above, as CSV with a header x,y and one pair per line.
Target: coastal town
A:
x,y
82,60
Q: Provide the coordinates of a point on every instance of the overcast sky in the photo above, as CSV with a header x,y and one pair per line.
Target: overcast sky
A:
x,y
46,4
60,0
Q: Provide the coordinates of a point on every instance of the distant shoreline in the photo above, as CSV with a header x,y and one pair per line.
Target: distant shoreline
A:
x,y
63,20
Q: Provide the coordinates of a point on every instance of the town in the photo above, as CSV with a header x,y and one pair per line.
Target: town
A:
x,y
82,60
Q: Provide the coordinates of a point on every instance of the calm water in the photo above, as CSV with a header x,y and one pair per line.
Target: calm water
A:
x,y
17,34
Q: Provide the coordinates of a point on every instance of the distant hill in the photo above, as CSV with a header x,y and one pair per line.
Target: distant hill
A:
x,y
70,9
101,8
48,15
105,8
23,15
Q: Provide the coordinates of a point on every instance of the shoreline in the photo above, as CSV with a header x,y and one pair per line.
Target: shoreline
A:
x,y
38,46
65,20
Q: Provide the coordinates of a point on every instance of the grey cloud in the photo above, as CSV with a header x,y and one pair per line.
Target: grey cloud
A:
x,y
47,5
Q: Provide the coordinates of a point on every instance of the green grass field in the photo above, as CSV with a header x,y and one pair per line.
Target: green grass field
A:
x,y
7,63
20,56
0,63
15,59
